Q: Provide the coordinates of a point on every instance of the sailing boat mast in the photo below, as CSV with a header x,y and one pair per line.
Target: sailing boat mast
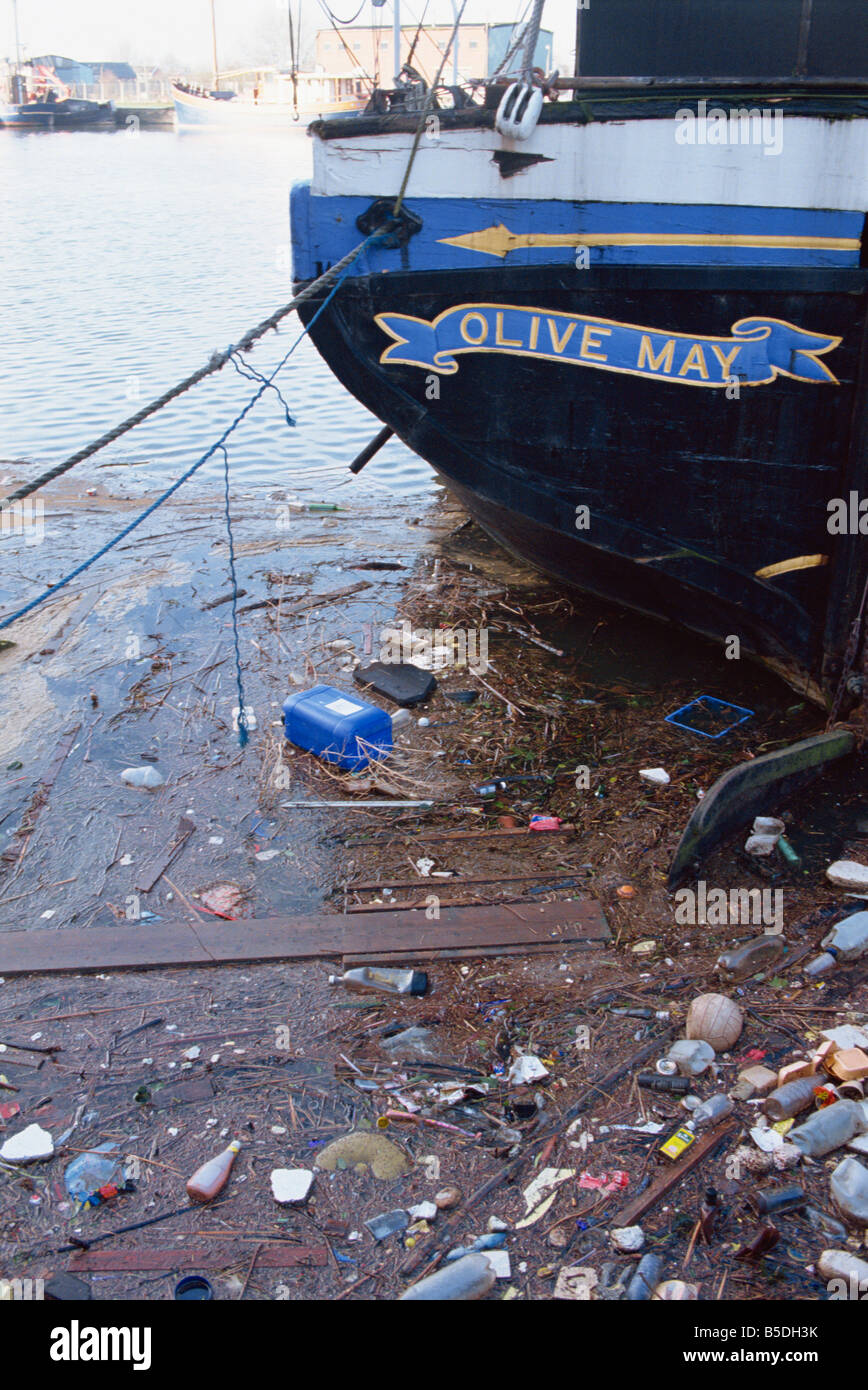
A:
x,y
17,81
396,37
17,39
214,47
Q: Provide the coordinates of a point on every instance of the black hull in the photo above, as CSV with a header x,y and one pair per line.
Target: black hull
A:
x,y
690,493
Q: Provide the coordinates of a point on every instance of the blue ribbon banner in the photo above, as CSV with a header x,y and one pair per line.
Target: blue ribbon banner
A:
x,y
759,349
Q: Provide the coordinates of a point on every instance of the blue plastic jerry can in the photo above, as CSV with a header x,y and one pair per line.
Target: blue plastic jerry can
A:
x,y
337,727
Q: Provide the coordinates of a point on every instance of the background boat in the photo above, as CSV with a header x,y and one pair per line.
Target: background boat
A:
x,y
282,102
72,113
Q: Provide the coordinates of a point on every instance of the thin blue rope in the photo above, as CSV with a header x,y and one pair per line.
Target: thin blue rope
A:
x,y
236,642
185,477
249,372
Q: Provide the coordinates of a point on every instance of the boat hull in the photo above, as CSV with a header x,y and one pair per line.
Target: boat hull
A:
x,y
70,114
193,112
642,487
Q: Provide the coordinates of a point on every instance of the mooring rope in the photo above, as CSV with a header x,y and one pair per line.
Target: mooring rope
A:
x,y
209,453
217,361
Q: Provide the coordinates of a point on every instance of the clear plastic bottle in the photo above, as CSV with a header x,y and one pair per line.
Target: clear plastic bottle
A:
x,y
849,1187
467,1278
846,941
385,979
212,1177
788,1100
748,959
828,1129
710,1112
92,1170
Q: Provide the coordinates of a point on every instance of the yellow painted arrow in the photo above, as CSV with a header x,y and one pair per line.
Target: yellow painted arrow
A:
x,y
499,240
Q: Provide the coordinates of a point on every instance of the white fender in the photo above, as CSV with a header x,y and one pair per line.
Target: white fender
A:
x,y
519,111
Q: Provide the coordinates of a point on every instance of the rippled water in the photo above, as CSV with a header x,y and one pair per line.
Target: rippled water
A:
x,y
127,259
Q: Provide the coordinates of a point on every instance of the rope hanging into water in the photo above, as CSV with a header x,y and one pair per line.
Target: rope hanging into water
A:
x,y
217,362
267,382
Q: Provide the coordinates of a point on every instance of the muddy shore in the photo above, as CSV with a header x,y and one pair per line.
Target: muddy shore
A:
x,y
133,664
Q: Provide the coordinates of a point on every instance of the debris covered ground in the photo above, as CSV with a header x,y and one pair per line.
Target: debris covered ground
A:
x,y
132,666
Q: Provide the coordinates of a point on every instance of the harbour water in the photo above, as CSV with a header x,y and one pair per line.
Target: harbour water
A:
x,y
129,257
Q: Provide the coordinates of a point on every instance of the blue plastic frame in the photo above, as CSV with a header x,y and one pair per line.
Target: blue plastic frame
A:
x,y
715,704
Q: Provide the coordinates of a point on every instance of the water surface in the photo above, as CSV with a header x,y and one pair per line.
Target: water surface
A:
x,y
127,260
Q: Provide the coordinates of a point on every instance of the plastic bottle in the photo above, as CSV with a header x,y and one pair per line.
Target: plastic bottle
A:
x,y
384,979
212,1177
749,958
788,1100
825,1224
846,941
646,1278
91,1170
828,1129
849,1187
489,789
464,1279
710,1112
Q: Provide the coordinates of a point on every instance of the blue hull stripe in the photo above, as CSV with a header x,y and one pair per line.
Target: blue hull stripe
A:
x,y
324,229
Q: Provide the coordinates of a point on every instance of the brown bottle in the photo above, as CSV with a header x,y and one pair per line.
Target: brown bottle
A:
x,y
212,1177
789,1100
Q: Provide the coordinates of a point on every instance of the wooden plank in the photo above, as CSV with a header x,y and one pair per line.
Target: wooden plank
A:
x,y
431,835
153,872
468,953
298,938
454,881
196,1257
414,904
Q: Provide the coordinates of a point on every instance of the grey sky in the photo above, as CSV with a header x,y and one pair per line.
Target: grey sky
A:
x,y
179,31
